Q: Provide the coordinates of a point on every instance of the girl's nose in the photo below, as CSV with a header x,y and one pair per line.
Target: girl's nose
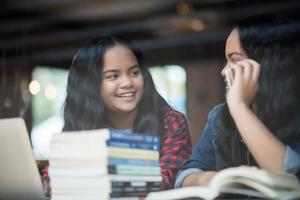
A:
x,y
224,69
126,82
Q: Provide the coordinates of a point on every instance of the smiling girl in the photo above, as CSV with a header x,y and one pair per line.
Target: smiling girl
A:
x,y
110,87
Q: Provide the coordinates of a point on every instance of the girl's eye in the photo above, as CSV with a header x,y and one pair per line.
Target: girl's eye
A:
x,y
135,73
111,76
234,60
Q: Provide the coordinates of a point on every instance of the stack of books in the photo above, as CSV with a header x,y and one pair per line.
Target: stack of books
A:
x,y
78,166
103,164
133,164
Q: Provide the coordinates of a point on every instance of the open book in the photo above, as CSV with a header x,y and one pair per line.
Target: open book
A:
x,y
248,181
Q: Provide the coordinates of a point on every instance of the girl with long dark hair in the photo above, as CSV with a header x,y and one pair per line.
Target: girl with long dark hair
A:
x,y
109,86
259,125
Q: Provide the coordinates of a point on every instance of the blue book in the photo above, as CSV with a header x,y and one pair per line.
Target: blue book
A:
x,y
132,144
134,162
130,136
133,170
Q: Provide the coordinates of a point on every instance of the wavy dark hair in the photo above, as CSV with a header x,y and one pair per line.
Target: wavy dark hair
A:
x,y
275,44
84,108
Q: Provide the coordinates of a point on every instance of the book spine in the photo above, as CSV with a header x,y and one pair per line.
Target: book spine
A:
x,y
79,187
77,172
84,150
77,183
132,144
100,195
78,163
117,152
130,194
133,170
135,189
118,178
135,184
136,162
127,198
79,136
138,137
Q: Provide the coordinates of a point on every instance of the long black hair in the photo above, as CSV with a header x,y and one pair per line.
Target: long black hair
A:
x,y
85,110
275,44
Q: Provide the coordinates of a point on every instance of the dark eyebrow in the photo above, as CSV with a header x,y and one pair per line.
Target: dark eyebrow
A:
x,y
115,70
110,71
134,66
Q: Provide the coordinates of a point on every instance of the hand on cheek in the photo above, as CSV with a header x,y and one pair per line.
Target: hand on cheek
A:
x,y
242,83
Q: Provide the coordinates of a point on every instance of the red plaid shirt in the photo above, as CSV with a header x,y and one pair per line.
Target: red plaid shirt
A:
x,y
177,147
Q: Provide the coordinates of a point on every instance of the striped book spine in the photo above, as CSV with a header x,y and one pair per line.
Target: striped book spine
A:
x,y
117,152
129,136
132,144
136,162
133,170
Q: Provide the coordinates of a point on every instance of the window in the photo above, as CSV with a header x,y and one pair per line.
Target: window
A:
x,y
48,87
170,82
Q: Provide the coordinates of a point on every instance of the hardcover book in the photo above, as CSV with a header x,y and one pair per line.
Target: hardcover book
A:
x,y
240,181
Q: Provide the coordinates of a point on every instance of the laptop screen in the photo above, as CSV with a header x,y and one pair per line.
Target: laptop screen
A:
x,y
19,176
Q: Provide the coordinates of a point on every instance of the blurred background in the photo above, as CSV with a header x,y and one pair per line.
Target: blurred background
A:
x,y
182,41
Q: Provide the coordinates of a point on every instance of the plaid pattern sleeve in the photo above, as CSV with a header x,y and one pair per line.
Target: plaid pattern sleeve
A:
x,y
45,172
177,147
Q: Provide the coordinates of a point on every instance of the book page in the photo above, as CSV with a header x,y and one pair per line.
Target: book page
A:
x,y
183,193
271,179
255,182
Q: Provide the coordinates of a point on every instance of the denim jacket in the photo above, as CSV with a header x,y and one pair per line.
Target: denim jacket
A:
x,y
205,156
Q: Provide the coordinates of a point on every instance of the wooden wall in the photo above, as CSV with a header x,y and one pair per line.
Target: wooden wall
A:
x,y
204,91
15,99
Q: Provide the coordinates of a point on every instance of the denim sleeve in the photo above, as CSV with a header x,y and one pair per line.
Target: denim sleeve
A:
x,y
203,155
183,174
291,163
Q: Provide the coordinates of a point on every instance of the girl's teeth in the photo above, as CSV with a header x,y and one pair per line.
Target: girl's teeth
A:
x,y
126,95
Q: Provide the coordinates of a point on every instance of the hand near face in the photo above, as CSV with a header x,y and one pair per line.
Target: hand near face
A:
x,y
242,82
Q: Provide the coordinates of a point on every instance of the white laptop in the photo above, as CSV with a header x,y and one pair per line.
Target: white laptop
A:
x,y
19,176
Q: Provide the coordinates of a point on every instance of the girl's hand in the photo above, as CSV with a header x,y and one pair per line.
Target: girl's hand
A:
x,y
242,83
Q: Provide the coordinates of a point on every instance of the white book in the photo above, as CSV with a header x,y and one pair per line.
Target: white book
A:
x,y
79,163
98,192
77,172
101,134
80,183
80,197
249,181
84,151
79,145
